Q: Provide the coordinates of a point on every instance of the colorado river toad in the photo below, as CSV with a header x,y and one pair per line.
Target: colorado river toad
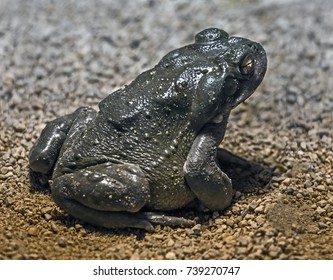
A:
x,y
153,145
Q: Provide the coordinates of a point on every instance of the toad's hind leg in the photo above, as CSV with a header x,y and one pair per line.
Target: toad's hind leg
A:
x,y
109,195
45,152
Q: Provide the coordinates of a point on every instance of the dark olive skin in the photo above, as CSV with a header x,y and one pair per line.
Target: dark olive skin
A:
x,y
153,145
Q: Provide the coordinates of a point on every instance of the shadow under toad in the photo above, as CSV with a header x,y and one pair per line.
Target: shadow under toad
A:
x,y
246,176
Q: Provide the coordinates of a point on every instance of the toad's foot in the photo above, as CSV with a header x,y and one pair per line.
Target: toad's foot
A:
x,y
165,220
141,220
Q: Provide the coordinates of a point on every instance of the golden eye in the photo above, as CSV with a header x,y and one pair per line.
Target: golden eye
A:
x,y
247,65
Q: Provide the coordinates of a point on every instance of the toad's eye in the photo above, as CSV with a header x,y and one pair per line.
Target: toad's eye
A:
x,y
246,67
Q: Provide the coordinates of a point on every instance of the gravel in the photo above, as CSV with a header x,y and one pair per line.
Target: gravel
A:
x,y
58,55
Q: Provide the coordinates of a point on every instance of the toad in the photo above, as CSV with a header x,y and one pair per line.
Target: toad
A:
x,y
153,145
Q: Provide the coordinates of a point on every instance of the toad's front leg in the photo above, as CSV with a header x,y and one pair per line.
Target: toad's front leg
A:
x,y
202,173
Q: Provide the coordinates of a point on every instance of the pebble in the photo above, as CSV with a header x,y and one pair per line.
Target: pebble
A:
x,y
321,188
230,222
170,243
159,236
218,221
47,217
322,225
33,231
309,190
274,251
54,227
9,201
260,209
322,203
253,204
4,170
62,242
215,214
135,256
170,256
229,239
46,210
320,210
18,126
330,200
187,250
7,175
196,230
286,181
244,240
311,229
242,250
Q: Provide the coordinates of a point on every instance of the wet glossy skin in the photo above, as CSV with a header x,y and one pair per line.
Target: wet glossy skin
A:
x,y
153,144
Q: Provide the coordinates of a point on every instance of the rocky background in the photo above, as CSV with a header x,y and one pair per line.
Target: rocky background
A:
x,y
58,55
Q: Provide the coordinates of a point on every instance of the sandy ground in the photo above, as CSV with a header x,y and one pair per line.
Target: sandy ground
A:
x,y
55,57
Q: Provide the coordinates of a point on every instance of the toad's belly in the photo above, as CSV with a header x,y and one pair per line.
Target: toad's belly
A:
x,y
168,192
